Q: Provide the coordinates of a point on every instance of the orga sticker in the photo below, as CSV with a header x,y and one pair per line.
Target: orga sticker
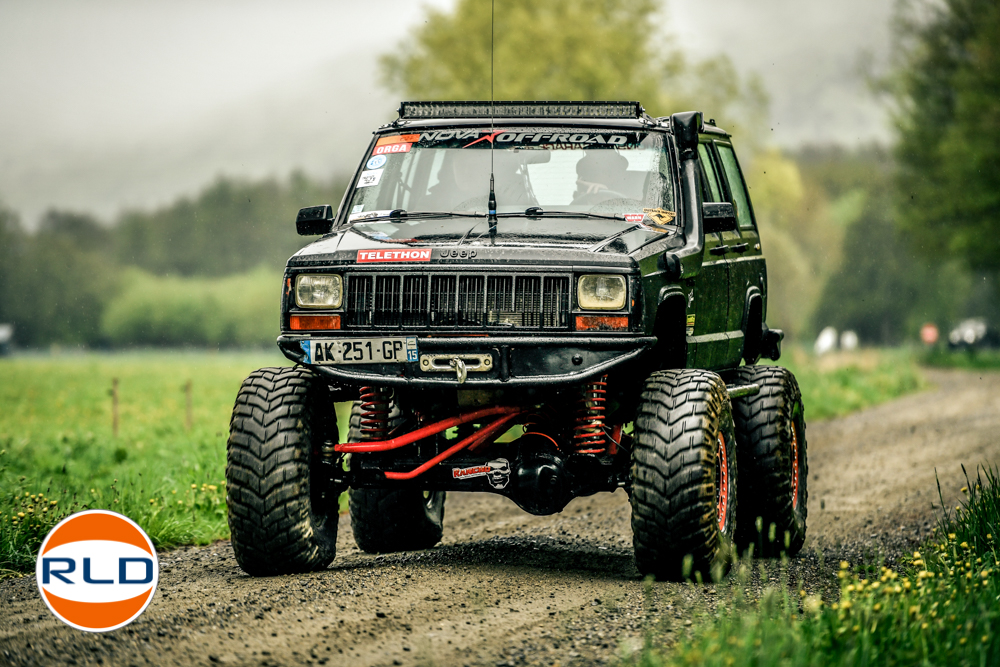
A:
x,y
376,162
97,570
391,148
369,178
497,472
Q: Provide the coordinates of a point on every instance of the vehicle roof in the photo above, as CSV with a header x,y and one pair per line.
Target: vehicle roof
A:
x,y
468,113
658,124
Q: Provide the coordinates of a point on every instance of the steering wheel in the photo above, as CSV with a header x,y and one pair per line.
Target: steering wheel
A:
x,y
471,203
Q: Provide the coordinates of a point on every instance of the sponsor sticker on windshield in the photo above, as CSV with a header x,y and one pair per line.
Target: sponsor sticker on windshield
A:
x,y
634,217
408,255
398,139
370,178
391,148
376,162
659,216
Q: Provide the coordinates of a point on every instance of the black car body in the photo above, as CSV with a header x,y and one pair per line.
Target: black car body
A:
x,y
496,264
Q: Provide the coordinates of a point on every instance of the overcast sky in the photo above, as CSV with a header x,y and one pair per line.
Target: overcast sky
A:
x,y
108,104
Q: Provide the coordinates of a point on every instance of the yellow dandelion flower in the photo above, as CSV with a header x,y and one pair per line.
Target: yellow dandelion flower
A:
x,y
951,536
850,588
856,628
877,606
194,486
21,514
985,638
212,487
964,545
844,565
923,626
962,641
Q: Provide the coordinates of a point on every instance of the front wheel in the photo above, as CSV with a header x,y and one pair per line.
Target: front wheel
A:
x,y
282,513
683,475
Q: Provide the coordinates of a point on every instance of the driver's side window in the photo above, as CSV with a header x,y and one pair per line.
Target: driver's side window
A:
x,y
711,188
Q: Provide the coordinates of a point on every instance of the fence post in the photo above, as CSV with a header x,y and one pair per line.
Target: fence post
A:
x,y
114,406
187,405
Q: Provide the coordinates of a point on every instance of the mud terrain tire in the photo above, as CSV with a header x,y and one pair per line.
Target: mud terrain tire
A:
x,y
684,475
771,432
282,518
387,520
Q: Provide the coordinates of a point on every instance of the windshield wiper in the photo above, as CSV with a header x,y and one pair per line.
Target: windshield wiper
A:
x,y
537,212
400,214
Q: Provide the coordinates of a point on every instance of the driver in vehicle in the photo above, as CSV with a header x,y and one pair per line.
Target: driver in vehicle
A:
x,y
600,175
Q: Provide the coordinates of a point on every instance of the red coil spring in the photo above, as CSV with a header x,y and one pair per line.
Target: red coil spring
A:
x,y
588,427
375,406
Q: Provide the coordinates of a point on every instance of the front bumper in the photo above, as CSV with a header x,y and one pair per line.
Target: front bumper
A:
x,y
517,361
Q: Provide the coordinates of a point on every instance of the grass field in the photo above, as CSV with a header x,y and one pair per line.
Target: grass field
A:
x,y
58,453
939,608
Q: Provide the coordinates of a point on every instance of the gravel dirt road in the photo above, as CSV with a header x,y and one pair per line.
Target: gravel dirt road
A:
x,y
508,588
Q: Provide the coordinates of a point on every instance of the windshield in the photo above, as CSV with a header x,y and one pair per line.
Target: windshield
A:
x,y
619,173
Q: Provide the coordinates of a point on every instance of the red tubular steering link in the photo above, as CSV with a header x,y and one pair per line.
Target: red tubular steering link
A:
x,y
505,416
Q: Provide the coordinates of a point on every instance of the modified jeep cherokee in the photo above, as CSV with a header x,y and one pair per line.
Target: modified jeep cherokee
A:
x,y
541,300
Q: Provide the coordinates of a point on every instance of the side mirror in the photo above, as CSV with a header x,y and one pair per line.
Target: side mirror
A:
x,y
314,220
718,216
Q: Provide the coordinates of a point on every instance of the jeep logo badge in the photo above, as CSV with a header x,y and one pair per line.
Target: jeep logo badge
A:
x,y
458,254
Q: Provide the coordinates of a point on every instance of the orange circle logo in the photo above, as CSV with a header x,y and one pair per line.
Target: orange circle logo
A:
x,y
97,570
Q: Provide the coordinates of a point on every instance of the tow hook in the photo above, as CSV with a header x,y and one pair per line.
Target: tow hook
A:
x,y
460,371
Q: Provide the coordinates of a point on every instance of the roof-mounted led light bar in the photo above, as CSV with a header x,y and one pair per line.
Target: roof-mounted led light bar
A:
x,y
415,110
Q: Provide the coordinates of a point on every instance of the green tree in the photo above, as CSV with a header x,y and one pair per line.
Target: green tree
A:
x,y
62,278
229,227
947,85
566,50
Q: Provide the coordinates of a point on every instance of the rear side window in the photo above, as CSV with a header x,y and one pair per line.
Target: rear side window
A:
x,y
737,187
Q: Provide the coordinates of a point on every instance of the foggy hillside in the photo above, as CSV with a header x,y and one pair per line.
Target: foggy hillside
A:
x,y
125,105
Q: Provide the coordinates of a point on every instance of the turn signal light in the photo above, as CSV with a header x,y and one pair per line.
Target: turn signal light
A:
x,y
314,322
602,322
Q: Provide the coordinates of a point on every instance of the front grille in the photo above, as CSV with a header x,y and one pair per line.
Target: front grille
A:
x,y
455,301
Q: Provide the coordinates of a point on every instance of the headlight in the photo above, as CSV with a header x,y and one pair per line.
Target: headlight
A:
x,y
601,292
319,291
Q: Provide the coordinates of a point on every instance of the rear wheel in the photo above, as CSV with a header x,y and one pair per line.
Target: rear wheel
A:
x,y
683,475
386,520
282,512
771,431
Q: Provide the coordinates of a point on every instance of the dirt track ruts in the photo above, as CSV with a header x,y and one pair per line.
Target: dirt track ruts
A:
x,y
505,587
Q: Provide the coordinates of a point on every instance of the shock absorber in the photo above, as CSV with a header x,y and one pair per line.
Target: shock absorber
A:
x,y
588,426
375,407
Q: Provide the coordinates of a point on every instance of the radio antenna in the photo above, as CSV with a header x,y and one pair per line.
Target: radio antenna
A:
x,y
492,202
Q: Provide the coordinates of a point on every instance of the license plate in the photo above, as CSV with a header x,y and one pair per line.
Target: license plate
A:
x,y
361,350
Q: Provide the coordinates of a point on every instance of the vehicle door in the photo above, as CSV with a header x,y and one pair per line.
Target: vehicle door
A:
x,y
708,338
746,260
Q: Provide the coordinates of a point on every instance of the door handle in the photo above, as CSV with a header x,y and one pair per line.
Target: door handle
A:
x,y
742,247
719,250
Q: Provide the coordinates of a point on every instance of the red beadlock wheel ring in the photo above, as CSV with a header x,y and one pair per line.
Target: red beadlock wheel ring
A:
x,y
795,466
722,481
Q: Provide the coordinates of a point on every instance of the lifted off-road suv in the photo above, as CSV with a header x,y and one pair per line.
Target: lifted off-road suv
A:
x,y
537,300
